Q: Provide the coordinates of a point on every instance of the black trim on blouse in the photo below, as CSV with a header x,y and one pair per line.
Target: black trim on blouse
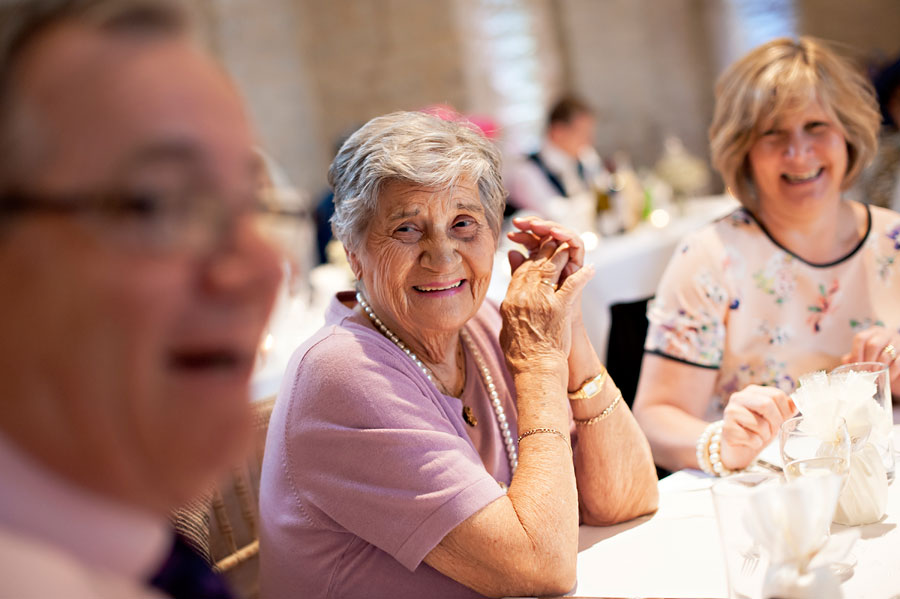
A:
x,y
813,264
656,352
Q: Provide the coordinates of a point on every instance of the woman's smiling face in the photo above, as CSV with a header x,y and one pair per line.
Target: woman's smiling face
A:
x,y
426,260
799,157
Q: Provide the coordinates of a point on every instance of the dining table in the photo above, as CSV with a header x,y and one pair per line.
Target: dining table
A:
x,y
677,553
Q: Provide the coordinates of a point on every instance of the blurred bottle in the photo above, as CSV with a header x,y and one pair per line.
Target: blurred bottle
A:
x,y
630,197
607,188
686,174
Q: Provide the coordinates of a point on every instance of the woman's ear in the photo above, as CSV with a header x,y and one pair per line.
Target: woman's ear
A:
x,y
355,265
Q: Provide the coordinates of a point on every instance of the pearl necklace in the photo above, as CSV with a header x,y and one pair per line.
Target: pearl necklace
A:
x,y
512,453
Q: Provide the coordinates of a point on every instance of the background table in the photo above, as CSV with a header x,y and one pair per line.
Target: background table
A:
x,y
628,266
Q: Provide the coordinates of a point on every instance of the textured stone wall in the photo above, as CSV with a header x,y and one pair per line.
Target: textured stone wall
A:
x,y
312,69
871,27
645,65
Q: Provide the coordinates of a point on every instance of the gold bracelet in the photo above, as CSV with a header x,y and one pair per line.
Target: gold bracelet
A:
x,y
537,431
609,410
590,388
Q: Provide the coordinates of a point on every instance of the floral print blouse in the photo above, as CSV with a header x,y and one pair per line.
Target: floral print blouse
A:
x,y
734,300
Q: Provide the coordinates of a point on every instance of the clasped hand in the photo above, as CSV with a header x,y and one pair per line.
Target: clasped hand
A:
x,y
542,307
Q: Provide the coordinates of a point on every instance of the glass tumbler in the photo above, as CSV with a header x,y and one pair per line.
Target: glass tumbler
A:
x,y
745,561
881,433
797,442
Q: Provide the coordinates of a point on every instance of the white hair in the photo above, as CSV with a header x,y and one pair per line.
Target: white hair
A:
x,y
415,148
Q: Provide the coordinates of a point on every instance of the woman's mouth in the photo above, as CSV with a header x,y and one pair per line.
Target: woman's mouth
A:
x,y
795,178
440,288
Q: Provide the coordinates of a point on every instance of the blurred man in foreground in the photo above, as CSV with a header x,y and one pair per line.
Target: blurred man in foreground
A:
x,y
135,290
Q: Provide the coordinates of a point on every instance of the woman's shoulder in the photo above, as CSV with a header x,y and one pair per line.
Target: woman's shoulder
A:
x,y
711,241
340,348
883,219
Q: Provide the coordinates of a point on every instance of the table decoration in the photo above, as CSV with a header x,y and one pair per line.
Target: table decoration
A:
x,y
823,400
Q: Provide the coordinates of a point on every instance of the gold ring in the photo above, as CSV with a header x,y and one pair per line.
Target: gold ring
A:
x,y
890,350
549,282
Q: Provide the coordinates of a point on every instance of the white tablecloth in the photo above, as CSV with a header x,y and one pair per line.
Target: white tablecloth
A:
x,y
677,553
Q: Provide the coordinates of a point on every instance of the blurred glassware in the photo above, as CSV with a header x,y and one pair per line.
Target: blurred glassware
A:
x,y
746,562
881,435
686,174
797,442
815,466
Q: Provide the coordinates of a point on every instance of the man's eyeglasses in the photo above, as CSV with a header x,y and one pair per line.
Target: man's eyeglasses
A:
x,y
169,222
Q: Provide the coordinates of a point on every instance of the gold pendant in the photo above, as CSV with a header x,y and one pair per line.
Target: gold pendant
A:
x,y
469,416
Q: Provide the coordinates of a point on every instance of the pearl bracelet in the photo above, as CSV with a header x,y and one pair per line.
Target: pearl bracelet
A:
x,y
709,447
703,448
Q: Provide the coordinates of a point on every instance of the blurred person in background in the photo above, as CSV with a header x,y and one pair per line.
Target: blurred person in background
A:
x,y
136,286
564,170
799,279
880,183
421,444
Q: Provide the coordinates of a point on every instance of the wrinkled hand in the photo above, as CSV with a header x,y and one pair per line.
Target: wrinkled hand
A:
x,y
537,310
870,346
752,419
583,362
533,231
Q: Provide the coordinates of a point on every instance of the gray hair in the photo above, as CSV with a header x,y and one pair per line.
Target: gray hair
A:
x,y
416,148
22,22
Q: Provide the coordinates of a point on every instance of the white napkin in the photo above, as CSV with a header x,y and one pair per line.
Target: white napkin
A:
x,y
790,522
822,399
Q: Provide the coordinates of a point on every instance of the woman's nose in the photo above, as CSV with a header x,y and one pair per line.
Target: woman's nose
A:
x,y
797,145
440,253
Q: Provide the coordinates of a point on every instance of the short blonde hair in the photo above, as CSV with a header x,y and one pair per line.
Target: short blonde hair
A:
x,y
412,147
779,77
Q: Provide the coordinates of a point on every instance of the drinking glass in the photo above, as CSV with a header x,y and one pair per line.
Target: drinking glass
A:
x,y
824,466
816,467
796,442
881,434
745,561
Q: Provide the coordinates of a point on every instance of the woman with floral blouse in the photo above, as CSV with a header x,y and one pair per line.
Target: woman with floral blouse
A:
x,y
799,279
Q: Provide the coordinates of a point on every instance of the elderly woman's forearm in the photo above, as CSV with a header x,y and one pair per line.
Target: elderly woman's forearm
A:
x,y
618,494
525,543
615,470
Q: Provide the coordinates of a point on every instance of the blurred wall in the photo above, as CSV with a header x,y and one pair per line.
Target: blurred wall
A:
x,y
870,28
646,66
313,68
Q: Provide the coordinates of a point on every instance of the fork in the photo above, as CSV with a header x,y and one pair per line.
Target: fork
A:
x,y
750,561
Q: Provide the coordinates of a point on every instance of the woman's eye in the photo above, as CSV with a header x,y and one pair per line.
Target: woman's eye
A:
x,y
406,232
464,223
817,126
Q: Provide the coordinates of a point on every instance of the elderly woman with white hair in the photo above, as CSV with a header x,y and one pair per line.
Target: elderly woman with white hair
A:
x,y
421,424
